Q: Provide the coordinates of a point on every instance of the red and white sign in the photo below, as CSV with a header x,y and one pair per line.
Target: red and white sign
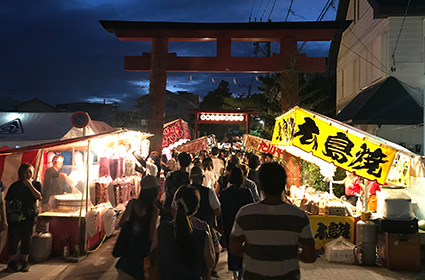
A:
x,y
194,146
258,144
175,133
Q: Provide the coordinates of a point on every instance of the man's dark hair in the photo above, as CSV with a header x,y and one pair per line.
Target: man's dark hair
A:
x,y
254,162
269,155
236,176
184,159
232,162
272,177
215,151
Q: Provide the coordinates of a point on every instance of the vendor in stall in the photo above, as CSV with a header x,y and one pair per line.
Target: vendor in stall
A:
x,y
55,181
353,187
372,188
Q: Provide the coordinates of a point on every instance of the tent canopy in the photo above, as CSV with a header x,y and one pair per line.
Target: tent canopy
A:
x,y
347,147
23,129
12,158
387,102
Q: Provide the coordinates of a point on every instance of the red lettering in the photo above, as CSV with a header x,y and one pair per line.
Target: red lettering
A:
x,y
263,147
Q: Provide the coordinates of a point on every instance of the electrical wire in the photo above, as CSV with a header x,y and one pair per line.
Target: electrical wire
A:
x,y
399,33
374,65
271,11
252,8
349,28
100,244
265,8
298,15
258,10
371,63
289,9
319,18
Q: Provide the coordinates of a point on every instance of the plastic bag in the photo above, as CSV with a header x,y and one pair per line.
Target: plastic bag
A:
x,y
340,250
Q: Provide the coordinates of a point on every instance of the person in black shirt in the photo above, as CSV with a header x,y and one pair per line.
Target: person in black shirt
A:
x,y
21,212
173,181
3,221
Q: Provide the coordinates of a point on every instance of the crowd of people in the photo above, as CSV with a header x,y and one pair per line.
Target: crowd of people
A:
x,y
216,201
210,202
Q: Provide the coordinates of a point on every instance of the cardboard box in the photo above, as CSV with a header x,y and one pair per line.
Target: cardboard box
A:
x,y
399,251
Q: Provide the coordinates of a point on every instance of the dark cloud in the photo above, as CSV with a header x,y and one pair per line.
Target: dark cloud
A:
x,y
58,52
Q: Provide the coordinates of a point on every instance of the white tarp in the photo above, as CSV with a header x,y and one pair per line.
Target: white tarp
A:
x,y
23,129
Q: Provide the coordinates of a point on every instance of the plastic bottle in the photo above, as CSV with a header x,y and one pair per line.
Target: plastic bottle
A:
x,y
358,206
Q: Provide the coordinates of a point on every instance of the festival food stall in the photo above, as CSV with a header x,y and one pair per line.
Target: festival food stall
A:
x,y
393,232
302,132
330,217
98,180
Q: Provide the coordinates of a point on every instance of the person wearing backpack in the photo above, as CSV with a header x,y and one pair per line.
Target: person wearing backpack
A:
x,y
21,211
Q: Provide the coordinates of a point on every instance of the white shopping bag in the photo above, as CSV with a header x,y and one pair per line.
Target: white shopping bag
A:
x,y
340,250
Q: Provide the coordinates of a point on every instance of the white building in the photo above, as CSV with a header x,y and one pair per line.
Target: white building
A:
x,y
382,43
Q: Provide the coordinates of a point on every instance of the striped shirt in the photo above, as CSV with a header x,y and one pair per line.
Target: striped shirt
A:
x,y
272,234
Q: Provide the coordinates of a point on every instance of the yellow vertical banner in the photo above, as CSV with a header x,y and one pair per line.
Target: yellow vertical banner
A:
x,y
283,132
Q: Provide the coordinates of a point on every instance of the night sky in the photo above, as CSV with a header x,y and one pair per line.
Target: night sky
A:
x,y
57,51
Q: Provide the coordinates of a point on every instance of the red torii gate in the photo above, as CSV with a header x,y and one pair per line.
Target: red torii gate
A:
x,y
160,61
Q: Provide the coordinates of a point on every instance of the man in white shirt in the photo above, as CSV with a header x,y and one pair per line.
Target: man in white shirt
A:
x,y
218,165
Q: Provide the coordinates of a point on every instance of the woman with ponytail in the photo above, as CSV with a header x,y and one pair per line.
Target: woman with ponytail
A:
x,y
185,249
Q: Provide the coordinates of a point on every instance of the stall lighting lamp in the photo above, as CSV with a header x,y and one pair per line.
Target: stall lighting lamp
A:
x,y
222,117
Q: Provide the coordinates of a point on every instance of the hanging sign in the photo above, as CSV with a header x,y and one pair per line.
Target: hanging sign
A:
x,y
257,144
175,133
335,142
194,146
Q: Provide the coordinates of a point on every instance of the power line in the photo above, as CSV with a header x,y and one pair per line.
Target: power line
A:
x,y
399,33
258,10
289,9
319,18
349,28
371,63
298,15
385,71
252,8
265,8
271,11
